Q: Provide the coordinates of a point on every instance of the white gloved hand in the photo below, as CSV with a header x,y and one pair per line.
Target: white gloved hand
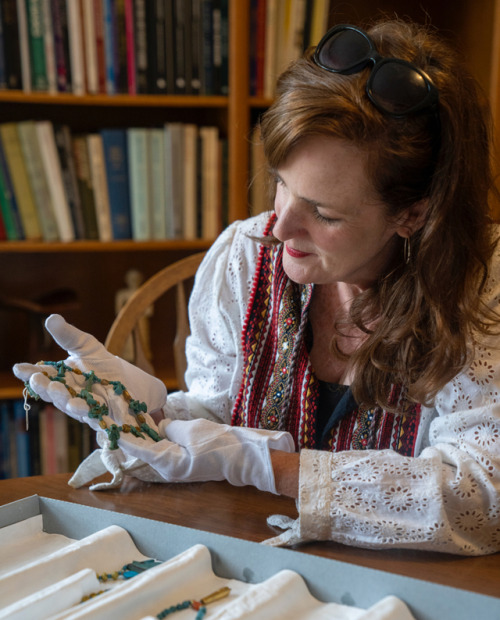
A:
x,y
200,450
79,394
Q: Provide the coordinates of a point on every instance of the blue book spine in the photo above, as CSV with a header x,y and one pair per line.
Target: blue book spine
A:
x,y
5,440
117,174
22,440
110,45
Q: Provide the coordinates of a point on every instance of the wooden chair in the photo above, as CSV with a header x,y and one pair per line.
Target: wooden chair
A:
x,y
126,323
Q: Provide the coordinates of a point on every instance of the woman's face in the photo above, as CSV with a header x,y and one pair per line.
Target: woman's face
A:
x,y
333,225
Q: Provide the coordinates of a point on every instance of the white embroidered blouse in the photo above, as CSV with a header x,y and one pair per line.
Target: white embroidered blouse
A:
x,y
447,498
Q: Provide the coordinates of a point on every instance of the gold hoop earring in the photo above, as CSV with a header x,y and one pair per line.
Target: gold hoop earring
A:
x,y
407,250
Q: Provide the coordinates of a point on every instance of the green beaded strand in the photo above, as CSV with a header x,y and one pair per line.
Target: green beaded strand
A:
x,y
98,411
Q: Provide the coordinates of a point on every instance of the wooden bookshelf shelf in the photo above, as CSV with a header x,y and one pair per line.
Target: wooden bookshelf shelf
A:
x,y
83,246
133,101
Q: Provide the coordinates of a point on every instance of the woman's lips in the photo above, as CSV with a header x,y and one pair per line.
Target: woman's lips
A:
x,y
296,253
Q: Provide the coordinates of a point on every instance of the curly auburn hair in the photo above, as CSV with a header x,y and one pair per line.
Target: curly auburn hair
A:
x,y
422,315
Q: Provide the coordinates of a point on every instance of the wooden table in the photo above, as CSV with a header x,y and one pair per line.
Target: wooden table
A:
x,y
241,512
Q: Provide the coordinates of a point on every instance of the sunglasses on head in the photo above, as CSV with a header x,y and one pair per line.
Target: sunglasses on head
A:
x,y
396,87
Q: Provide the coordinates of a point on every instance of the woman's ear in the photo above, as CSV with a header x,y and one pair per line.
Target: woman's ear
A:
x,y
413,218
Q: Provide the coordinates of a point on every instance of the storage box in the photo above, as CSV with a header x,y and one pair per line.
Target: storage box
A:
x,y
328,580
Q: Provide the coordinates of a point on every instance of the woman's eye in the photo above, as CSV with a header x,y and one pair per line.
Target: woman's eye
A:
x,y
324,219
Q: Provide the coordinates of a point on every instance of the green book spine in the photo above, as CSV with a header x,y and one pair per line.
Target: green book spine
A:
x,y
34,10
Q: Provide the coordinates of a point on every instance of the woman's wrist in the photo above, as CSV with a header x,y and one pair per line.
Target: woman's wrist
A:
x,y
286,467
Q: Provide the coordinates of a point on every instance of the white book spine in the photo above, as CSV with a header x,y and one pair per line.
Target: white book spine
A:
x,y
190,181
53,172
24,46
50,55
76,47
100,186
90,46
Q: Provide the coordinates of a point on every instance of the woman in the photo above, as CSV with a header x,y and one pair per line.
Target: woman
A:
x,y
358,320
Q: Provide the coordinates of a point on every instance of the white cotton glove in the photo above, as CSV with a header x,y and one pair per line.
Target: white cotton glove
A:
x,y
200,450
88,355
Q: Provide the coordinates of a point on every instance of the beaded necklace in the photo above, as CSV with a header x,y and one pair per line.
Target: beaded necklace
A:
x,y
127,572
198,606
98,411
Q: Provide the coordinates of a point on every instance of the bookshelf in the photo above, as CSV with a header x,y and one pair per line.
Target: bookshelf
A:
x,y
91,270
29,268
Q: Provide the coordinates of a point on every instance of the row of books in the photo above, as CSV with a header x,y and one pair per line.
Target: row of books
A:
x,y
53,443
119,183
114,46
281,30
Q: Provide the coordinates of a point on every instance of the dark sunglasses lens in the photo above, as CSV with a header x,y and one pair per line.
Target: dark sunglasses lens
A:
x,y
397,88
344,50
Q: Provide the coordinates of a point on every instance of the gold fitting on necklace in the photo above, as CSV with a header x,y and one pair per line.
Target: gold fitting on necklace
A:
x,y
103,424
140,418
215,596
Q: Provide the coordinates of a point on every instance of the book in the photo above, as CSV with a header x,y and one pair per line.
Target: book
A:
x,y
84,181
12,49
121,67
47,438
8,205
190,176
224,48
3,69
61,421
99,186
23,455
174,182
210,182
5,441
196,44
59,16
24,45
217,46
20,181
130,47
110,46
156,46
52,167
140,186
62,137
116,161
3,229
39,184
141,47
179,52
158,189
49,47
100,44
35,22
90,46
207,43
170,46
76,51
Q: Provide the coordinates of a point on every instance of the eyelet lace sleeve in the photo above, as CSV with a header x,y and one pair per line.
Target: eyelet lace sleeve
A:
x,y
217,309
446,499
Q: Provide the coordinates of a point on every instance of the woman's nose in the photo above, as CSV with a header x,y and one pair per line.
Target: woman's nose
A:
x,y
289,222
